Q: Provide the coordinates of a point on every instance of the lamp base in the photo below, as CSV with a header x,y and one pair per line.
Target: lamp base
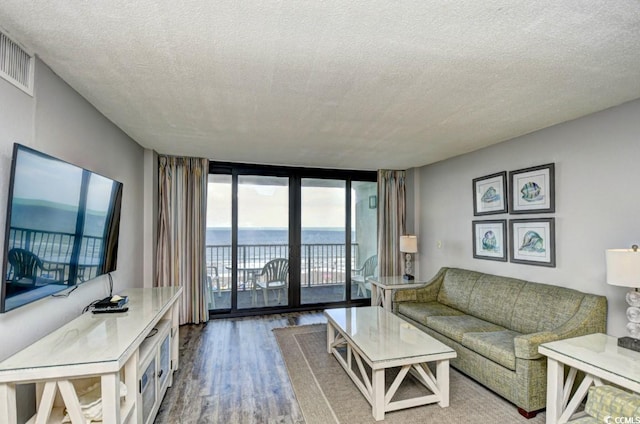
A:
x,y
629,343
408,277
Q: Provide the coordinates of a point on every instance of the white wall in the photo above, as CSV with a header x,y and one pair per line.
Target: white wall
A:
x,y
597,202
59,122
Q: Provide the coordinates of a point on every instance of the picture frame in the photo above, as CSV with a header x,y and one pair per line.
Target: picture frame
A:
x,y
490,239
533,241
490,194
532,190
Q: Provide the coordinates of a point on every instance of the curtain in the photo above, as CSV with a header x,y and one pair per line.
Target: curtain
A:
x,y
182,216
391,221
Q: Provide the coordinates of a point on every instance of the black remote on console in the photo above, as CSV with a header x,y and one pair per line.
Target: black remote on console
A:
x,y
110,310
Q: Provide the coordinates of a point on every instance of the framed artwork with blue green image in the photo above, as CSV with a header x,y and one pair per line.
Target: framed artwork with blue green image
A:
x,y
533,241
490,194
533,190
490,239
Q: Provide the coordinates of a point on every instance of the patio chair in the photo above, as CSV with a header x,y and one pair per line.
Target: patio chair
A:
x,y
213,278
275,277
360,275
25,266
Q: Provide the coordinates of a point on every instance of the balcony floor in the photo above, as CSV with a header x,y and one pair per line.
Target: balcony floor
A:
x,y
310,295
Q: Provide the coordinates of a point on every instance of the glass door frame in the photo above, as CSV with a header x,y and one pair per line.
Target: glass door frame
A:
x,y
295,175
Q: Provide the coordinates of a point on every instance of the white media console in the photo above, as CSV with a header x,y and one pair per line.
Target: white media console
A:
x,y
137,350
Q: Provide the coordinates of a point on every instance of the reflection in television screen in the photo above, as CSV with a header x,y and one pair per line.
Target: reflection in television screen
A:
x,y
62,227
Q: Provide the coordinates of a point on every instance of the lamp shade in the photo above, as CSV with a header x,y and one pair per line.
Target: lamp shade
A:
x,y
409,244
623,267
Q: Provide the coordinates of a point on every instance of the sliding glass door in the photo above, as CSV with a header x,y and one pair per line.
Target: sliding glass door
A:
x,y
218,241
364,240
263,241
287,238
323,250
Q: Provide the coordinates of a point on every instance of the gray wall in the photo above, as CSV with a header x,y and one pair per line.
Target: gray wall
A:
x,y
597,202
59,122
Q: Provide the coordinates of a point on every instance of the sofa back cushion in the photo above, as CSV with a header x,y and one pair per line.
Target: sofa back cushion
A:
x,y
542,307
457,287
494,298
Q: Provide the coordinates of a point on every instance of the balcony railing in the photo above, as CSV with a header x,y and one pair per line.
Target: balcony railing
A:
x,y
54,250
321,264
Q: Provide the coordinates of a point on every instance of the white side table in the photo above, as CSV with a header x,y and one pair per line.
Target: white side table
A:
x,y
599,356
382,289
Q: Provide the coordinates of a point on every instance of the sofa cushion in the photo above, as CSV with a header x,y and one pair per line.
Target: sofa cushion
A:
x,y
420,311
608,401
455,327
494,345
542,307
456,288
493,298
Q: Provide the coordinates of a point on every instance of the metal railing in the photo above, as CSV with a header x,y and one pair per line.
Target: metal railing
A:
x,y
321,264
54,250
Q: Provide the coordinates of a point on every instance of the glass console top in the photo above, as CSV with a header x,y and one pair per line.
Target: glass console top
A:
x,y
92,338
600,351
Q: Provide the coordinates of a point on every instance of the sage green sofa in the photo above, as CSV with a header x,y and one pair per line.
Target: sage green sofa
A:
x,y
495,325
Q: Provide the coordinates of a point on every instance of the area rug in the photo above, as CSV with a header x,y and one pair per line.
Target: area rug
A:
x,y
326,394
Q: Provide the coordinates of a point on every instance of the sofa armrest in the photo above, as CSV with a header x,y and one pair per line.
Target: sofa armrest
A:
x,y
591,317
427,292
526,346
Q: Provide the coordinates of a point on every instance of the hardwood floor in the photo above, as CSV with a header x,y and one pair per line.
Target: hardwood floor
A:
x,y
231,371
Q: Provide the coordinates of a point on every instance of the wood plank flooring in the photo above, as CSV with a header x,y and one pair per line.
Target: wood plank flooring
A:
x,y
231,371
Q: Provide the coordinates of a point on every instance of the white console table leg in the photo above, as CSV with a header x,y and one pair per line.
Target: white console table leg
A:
x,y
555,390
375,296
8,411
111,398
387,304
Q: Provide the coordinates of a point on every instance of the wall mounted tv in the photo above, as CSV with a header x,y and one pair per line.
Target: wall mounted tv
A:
x,y
62,227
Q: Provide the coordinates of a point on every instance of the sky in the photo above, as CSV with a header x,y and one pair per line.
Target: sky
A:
x,y
267,206
39,177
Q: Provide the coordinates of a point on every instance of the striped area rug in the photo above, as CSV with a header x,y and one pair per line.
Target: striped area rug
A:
x,y
327,395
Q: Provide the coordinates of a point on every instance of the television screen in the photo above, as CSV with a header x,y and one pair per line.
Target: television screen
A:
x,y
62,227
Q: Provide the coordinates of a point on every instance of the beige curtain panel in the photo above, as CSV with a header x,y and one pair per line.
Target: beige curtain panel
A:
x,y
182,220
391,221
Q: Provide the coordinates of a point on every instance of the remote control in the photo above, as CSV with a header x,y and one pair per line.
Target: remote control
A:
x,y
110,310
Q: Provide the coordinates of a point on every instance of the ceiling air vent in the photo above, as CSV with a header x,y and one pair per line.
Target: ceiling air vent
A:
x,y
16,65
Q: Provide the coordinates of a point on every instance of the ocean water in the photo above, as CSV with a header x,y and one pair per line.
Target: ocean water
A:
x,y
253,236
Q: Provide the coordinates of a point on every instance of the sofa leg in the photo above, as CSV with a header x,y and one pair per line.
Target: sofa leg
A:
x,y
527,415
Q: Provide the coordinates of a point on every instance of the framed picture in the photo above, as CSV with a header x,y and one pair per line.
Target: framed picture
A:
x,y
490,240
533,241
490,194
533,190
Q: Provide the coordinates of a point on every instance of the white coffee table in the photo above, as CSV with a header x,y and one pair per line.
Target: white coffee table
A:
x,y
599,357
382,340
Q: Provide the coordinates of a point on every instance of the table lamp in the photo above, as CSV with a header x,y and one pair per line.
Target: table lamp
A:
x,y
623,269
408,246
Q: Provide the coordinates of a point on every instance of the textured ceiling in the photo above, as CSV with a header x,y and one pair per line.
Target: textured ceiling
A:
x,y
342,84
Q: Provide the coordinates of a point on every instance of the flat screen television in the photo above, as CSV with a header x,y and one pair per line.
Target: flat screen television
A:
x,y
61,230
